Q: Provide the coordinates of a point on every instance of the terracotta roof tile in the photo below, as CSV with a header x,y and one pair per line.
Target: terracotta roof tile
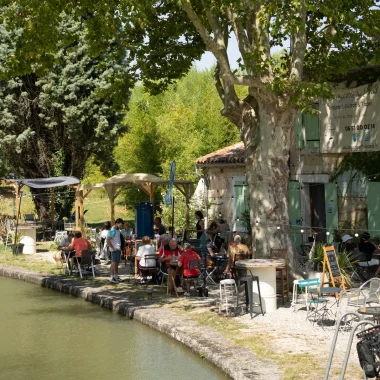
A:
x,y
233,154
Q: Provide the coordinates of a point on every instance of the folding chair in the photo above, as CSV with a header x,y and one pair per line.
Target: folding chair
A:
x,y
282,270
86,261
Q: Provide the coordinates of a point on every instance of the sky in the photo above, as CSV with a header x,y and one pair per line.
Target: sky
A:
x,y
208,59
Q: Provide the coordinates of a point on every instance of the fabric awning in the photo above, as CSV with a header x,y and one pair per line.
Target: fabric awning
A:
x,y
46,183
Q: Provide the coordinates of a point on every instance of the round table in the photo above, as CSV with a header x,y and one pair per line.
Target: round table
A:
x,y
29,234
373,311
265,269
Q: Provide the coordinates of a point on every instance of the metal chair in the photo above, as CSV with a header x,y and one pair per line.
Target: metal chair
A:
x,y
282,254
86,261
148,271
194,264
304,285
369,293
245,276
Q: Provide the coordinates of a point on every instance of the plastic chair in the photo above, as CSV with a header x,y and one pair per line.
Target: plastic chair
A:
x,y
8,226
245,276
282,254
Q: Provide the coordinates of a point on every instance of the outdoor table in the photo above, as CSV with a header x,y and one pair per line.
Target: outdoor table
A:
x,y
29,234
265,269
374,311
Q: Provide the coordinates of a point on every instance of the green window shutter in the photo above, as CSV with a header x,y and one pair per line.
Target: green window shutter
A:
x,y
241,202
373,205
331,206
311,125
299,138
295,211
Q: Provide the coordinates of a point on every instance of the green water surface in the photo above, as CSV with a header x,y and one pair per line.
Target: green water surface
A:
x,y
46,335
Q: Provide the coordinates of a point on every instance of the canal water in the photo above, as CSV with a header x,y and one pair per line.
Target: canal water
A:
x,y
46,335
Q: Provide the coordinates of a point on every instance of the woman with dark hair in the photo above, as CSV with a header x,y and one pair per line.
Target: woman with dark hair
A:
x,y
200,226
368,249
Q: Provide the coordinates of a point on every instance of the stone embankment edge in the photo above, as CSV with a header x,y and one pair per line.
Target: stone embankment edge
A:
x,y
237,362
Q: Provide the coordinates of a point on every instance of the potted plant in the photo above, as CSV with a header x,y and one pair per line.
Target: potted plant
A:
x,y
317,267
17,246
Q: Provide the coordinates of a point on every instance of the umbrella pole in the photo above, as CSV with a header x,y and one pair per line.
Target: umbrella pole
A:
x,y
19,209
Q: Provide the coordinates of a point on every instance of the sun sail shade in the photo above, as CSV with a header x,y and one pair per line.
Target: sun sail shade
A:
x,y
46,183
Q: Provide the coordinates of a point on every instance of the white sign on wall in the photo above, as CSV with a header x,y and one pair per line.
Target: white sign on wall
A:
x,y
351,121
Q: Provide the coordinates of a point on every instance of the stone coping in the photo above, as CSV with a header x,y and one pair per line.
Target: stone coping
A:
x,y
237,362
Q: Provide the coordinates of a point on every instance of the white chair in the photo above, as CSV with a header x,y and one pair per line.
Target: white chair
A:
x,y
228,295
368,293
303,284
10,232
59,236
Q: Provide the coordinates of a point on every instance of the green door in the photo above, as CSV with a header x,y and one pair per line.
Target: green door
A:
x,y
373,201
331,204
295,217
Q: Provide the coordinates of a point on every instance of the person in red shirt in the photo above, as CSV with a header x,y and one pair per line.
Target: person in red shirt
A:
x,y
184,262
168,254
80,244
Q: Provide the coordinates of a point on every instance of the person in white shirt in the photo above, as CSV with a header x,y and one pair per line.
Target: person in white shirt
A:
x,y
144,250
115,242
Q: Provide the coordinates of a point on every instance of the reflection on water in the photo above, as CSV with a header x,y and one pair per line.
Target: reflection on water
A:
x,y
45,335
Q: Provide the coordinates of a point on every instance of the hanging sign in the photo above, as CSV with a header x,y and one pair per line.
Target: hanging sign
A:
x,y
351,121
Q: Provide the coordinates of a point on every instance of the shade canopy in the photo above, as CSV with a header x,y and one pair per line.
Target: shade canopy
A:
x,y
146,182
46,183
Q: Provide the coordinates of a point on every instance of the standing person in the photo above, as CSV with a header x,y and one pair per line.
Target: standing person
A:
x,y
200,226
104,251
115,243
159,225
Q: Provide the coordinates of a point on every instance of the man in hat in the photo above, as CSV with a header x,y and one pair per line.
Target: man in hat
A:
x,y
346,245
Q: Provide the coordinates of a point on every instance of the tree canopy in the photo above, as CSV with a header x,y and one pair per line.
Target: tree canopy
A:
x,y
51,124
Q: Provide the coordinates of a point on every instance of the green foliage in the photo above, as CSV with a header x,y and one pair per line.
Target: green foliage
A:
x,y
180,124
51,125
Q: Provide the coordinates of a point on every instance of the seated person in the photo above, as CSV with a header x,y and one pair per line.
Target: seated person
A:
x,y
368,249
168,254
237,248
64,246
126,231
79,244
184,261
346,245
164,243
145,249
